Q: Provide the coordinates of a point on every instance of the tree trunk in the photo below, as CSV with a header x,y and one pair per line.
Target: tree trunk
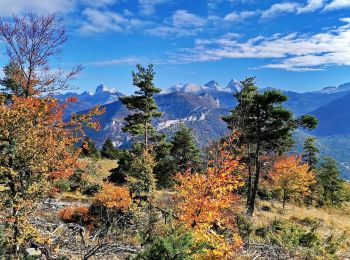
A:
x,y
250,174
250,209
284,198
145,137
251,204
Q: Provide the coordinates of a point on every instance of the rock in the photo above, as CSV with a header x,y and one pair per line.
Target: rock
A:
x,y
33,251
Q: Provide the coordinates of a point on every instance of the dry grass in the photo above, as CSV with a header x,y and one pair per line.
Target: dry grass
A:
x,y
97,171
333,220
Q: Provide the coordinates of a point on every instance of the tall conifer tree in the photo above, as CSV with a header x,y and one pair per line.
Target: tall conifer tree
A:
x,y
142,104
264,126
108,150
310,152
328,176
184,150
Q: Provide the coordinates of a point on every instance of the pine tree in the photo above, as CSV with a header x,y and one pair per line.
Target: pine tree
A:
x,y
89,149
108,150
263,126
176,244
165,164
140,178
184,150
119,174
328,176
142,104
9,82
310,152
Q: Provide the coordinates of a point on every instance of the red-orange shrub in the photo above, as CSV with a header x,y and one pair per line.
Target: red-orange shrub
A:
x,y
113,196
75,214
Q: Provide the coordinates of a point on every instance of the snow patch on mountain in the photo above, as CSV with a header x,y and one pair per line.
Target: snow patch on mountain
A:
x,y
235,86
213,84
174,122
209,88
332,89
104,88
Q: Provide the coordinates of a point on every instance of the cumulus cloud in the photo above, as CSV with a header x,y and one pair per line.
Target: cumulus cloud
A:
x,y
337,4
239,16
311,6
129,60
183,18
181,23
293,7
9,7
148,7
280,8
98,3
97,21
294,51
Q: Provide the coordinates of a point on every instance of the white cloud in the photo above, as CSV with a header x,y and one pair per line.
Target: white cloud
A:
x,y
102,21
337,4
98,3
181,23
277,9
183,18
9,7
294,51
239,16
148,7
293,7
311,6
164,31
130,60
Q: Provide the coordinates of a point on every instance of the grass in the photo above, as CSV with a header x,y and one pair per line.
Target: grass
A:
x,y
97,172
331,219
99,169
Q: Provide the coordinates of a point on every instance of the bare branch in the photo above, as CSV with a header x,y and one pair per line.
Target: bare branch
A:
x,y
32,41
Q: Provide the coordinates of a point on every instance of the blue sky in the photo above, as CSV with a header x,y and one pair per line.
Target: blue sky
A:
x,y
299,45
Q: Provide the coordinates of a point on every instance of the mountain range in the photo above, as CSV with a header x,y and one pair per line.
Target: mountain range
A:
x,y
201,107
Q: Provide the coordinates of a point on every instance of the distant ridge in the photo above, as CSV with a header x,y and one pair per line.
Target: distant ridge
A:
x,y
201,107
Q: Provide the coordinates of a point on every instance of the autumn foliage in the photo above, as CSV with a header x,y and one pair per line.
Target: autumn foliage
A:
x,y
72,214
113,196
203,201
291,177
36,146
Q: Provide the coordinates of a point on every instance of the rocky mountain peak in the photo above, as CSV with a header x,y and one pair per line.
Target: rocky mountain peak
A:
x,y
235,85
212,84
104,88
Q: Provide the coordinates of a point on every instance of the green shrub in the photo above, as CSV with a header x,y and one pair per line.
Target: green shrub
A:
x,y
3,245
176,244
311,222
63,185
75,180
310,240
261,232
91,189
244,225
286,234
266,208
264,194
